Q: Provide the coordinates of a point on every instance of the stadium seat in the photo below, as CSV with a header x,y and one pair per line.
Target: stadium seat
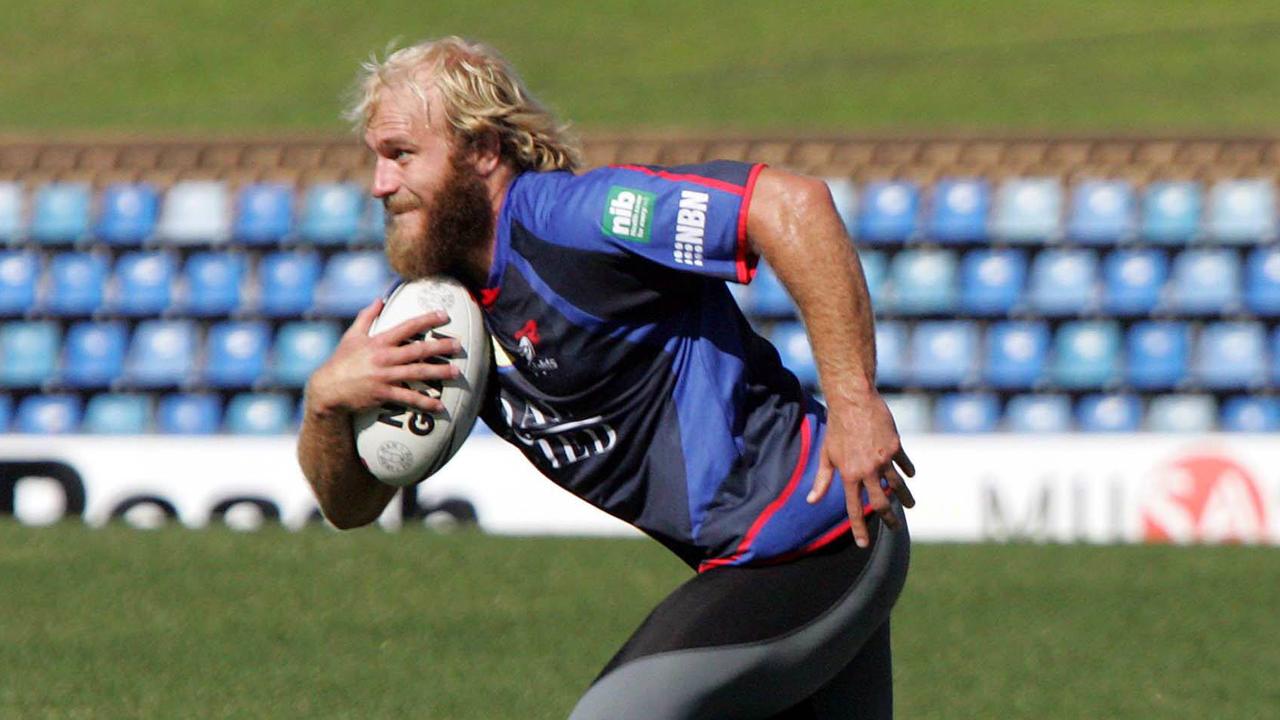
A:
x,y
991,281
1109,413
1157,355
1038,414
264,214
887,213
767,297
12,226
142,284
891,354
374,227
331,213
1205,282
1242,211
117,414
911,412
1063,282
1133,281
1028,210
1086,355
259,414
300,348
287,283
1180,413
18,273
28,353
211,282
1261,282
93,354
1275,358
1231,355
793,345
60,213
6,413
350,281
189,414
161,354
875,267
128,214
1016,354
1171,212
1102,212
48,414
943,353
958,212
195,212
236,354
76,284
1251,413
844,195
922,282
966,413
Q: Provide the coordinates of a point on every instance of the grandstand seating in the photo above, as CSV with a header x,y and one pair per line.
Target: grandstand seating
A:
x,y
1171,213
1038,414
264,214
887,213
48,414
19,271
28,353
11,225
76,284
61,213
128,215
117,414
966,413
93,354
189,414
1101,212
958,213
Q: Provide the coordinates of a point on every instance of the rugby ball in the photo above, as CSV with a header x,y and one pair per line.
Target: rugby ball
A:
x,y
402,446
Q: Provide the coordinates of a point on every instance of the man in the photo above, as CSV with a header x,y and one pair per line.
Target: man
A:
x,y
627,375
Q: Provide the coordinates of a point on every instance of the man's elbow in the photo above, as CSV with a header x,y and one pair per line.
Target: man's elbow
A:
x,y
345,519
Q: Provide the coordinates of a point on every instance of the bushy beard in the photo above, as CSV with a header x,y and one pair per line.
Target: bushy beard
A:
x,y
459,224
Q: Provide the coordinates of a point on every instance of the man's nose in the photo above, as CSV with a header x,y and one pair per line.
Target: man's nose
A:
x,y
386,178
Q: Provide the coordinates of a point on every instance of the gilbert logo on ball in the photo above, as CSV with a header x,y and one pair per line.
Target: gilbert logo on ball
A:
x,y
1206,497
401,445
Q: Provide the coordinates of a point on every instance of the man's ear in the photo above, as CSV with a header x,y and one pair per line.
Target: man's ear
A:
x,y
486,153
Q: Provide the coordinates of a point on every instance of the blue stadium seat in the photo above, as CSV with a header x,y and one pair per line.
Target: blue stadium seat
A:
x,y
128,214
143,284
287,283
1171,212
1157,355
958,213
1016,355
1251,413
76,284
48,414
259,414
12,225
793,345
844,195
1086,355
992,281
1038,414
264,213
195,212
911,412
1275,358
966,413
1261,282
1182,413
766,295
1063,282
1133,281
93,354
875,267
6,413
162,354
944,353
331,213
374,227
236,354
922,282
300,348
189,414
28,353
887,213
1109,413
1028,210
351,280
891,354
1102,212
60,213
1242,211
117,414
1205,282
18,273
1231,355
212,283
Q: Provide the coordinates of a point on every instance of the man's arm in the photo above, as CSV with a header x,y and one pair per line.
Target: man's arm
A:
x,y
363,372
793,224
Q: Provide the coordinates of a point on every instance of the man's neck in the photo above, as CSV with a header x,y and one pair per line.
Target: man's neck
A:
x,y
498,184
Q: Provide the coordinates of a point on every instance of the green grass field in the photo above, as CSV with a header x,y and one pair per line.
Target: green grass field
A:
x,y
212,624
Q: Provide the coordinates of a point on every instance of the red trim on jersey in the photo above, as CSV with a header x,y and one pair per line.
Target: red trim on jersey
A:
x,y
489,296
746,260
679,177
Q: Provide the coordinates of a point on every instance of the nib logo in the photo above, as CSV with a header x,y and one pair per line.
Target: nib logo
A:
x,y
1204,498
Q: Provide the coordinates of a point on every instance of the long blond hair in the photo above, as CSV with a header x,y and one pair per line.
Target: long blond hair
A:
x,y
480,93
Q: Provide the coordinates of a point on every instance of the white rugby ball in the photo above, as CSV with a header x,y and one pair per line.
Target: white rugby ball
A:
x,y
402,446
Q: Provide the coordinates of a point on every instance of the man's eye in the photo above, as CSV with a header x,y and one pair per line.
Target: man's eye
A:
x,y
399,154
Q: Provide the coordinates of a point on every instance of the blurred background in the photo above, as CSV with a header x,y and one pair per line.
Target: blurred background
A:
x,y
1066,213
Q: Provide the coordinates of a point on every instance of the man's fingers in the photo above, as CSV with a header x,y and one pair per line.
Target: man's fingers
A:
x,y
899,487
413,399
422,372
853,504
904,462
423,350
821,479
880,503
364,318
414,327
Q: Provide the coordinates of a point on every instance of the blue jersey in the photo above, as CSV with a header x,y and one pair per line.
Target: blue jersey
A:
x,y
627,374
